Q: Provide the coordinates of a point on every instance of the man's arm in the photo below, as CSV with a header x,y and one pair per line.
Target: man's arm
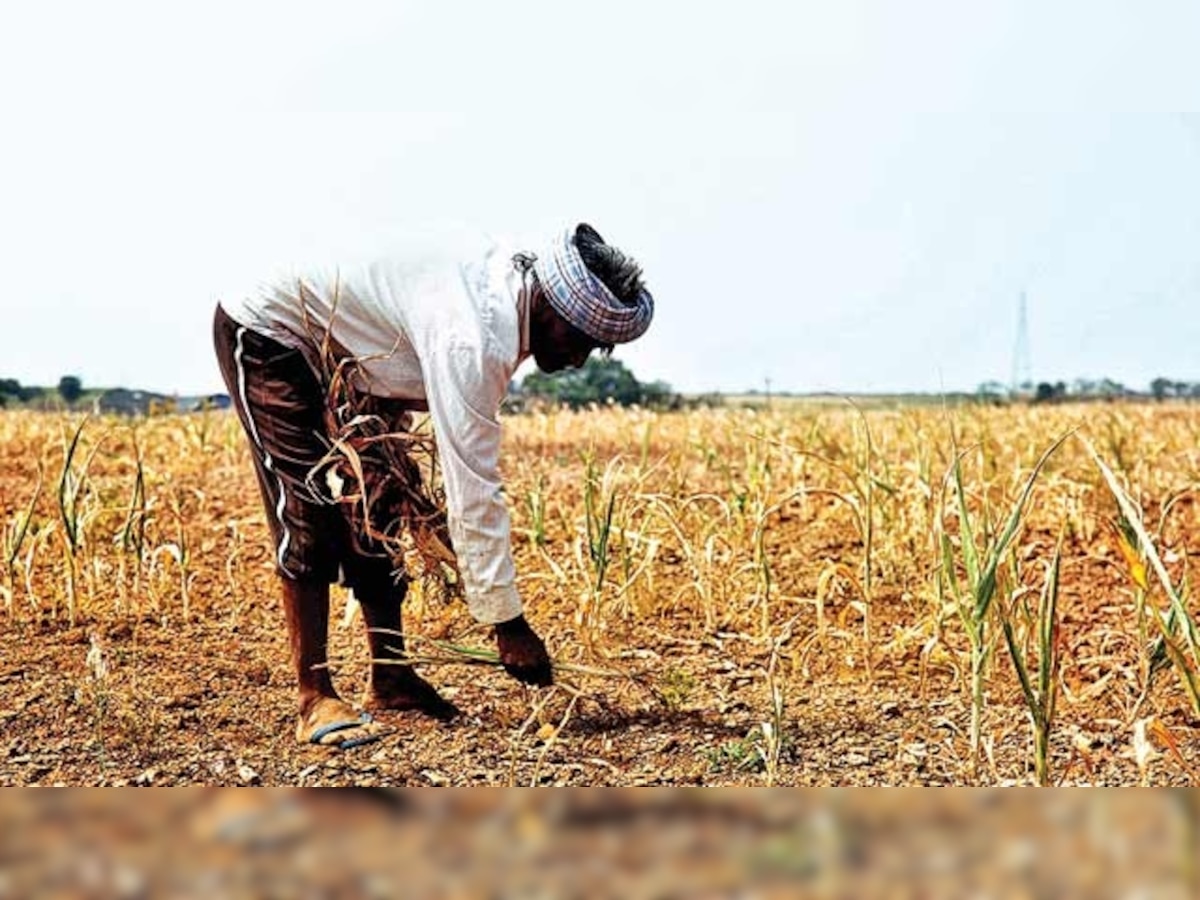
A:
x,y
464,389
463,405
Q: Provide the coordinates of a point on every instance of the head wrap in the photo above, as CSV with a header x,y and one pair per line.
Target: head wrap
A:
x,y
584,300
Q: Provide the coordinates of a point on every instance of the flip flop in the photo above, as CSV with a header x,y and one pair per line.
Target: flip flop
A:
x,y
333,727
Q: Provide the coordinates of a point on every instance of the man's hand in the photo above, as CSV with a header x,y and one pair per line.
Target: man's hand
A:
x,y
522,652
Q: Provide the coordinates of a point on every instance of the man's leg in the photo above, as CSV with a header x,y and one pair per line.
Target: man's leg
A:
x,y
280,406
306,608
393,684
368,570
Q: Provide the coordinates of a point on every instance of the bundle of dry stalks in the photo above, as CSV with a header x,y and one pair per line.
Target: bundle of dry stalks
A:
x,y
383,471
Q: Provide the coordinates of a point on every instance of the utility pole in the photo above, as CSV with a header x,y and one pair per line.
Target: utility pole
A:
x,y
1022,368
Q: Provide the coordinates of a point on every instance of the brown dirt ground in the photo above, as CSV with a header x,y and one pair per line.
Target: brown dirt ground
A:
x,y
209,700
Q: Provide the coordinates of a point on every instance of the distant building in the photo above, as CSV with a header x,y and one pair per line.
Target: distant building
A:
x,y
198,404
126,402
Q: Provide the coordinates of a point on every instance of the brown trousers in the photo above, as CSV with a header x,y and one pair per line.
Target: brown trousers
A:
x,y
281,405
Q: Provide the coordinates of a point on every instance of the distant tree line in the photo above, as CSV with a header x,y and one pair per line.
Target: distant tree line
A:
x,y
601,380
1084,389
1162,388
120,401
70,389
12,391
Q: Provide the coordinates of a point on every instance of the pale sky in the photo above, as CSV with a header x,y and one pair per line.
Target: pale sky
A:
x,y
842,196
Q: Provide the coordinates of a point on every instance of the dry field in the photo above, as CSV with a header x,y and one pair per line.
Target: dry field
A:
x,y
808,596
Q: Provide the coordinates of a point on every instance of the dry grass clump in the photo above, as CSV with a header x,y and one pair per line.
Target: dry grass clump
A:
x,y
382,469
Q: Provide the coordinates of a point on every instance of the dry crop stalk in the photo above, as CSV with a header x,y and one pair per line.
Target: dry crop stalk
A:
x,y
385,478
1177,629
535,499
705,573
868,482
599,527
72,487
981,565
15,533
772,729
184,557
861,502
1040,696
132,537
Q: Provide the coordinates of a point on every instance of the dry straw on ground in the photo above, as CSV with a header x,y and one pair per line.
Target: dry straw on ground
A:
x,y
780,581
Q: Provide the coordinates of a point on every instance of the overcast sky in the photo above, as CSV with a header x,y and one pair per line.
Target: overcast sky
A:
x,y
840,196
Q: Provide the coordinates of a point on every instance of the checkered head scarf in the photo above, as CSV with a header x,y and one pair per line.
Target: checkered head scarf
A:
x,y
584,300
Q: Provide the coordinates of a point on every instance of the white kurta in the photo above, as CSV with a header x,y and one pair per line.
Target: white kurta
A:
x,y
445,325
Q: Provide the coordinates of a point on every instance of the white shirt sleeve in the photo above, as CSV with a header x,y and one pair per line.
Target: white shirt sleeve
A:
x,y
464,386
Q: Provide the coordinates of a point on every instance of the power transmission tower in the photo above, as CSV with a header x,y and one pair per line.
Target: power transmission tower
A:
x,y
1022,368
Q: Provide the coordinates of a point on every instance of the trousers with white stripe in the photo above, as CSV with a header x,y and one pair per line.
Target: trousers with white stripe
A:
x,y
281,405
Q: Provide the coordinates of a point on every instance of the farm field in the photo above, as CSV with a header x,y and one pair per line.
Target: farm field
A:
x,y
811,595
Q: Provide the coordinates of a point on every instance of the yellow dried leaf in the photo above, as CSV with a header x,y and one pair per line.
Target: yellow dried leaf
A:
x,y
1137,567
1165,739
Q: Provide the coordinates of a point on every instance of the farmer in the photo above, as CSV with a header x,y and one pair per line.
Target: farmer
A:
x,y
441,331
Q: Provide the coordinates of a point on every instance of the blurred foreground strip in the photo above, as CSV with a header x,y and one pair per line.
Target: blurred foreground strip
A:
x,y
619,842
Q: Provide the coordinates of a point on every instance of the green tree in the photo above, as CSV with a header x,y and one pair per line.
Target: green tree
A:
x,y
1161,388
1050,393
600,380
70,388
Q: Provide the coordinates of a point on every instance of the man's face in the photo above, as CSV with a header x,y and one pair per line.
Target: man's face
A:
x,y
556,344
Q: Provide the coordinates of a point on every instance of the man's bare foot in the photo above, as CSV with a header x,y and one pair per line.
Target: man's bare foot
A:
x,y
406,691
332,722
522,652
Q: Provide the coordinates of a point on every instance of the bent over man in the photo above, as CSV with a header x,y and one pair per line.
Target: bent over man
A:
x,y
441,330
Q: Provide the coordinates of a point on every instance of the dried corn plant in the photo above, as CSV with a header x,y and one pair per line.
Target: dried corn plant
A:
x,y
383,471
